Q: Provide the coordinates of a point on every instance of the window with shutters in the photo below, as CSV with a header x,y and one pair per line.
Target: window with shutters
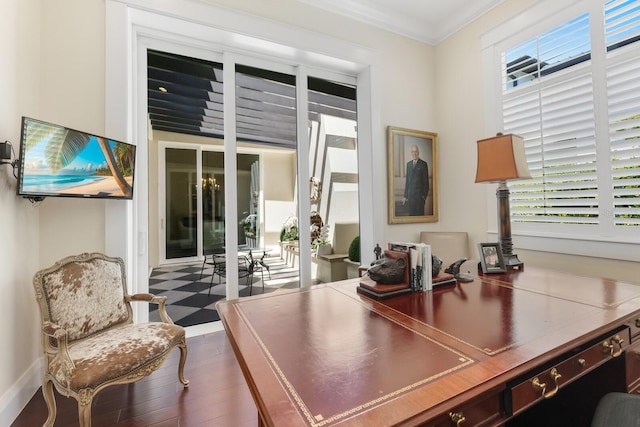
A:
x,y
573,93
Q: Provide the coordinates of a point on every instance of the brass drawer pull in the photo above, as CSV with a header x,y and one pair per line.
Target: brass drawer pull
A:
x,y
457,417
542,387
611,344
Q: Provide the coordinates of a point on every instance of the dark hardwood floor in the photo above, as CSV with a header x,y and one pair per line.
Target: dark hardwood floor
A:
x,y
217,394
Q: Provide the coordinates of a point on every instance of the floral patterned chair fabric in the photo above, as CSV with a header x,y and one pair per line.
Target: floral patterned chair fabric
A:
x,y
89,339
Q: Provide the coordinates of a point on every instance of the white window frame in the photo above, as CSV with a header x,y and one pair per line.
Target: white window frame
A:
x,y
556,238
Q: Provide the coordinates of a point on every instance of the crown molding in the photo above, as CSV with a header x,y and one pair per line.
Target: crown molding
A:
x,y
428,21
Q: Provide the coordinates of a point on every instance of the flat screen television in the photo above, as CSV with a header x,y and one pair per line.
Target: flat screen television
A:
x,y
59,161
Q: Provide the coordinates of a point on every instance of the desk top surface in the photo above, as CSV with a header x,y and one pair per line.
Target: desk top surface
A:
x,y
327,355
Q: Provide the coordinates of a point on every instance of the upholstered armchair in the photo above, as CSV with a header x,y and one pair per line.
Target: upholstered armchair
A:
x,y
89,339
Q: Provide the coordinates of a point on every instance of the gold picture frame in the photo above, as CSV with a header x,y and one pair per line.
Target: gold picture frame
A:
x,y
405,179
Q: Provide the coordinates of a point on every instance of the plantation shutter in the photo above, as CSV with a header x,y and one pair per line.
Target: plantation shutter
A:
x,y
553,109
622,27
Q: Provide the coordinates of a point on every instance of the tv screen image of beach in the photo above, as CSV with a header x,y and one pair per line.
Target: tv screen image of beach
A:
x,y
58,161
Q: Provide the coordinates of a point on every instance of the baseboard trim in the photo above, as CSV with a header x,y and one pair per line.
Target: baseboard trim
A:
x,y
20,393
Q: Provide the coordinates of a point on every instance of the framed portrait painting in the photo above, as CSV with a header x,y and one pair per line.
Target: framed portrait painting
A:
x,y
412,176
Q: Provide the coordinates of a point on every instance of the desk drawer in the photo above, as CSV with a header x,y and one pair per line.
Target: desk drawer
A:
x,y
482,412
632,363
544,384
634,324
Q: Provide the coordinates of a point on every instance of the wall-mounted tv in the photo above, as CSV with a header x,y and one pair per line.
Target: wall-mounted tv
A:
x,y
58,161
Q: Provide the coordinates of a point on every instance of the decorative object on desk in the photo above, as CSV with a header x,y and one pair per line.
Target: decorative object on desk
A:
x,y
501,159
491,258
377,251
289,231
454,269
412,187
436,265
370,284
387,271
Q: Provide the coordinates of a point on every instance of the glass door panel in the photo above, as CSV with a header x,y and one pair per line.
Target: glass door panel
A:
x,y
267,173
333,169
181,195
249,201
213,217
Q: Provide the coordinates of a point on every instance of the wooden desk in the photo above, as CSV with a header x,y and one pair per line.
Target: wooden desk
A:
x,y
328,356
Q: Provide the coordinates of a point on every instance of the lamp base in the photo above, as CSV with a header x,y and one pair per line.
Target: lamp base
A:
x,y
512,262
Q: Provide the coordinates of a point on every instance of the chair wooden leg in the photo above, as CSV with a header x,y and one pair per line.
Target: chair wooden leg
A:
x,y
50,400
183,359
85,401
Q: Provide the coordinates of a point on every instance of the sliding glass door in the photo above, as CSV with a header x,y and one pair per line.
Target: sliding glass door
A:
x,y
255,187
181,207
194,208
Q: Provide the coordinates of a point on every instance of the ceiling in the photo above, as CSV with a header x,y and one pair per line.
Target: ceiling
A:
x,y
185,94
430,21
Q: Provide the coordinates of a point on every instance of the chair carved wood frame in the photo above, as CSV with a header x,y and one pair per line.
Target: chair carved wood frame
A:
x,y
89,339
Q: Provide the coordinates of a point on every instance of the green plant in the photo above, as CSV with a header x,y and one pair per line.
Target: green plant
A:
x,y
354,249
323,237
289,229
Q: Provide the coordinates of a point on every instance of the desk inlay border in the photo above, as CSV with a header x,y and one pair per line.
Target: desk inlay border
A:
x,y
319,420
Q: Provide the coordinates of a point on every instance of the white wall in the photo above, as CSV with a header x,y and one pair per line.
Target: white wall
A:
x,y
52,56
19,252
72,94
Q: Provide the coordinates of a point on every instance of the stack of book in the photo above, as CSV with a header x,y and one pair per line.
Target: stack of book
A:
x,y
419,264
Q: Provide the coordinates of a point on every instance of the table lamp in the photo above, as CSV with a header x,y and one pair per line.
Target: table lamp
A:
x,y
500,159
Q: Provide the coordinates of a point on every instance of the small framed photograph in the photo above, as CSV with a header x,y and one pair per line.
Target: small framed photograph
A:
x,y
412,176
491,258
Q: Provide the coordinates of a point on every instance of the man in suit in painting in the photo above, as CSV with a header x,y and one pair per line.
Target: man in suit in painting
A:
x,y
416,186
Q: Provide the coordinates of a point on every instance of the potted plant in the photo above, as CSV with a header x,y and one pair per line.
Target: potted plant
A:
x,y
353,260
248,224
321,244
289,231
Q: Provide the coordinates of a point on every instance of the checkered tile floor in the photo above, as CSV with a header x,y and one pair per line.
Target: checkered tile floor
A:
x,y
188,302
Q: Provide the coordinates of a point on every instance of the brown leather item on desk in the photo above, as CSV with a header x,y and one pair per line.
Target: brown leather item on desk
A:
x,y
371,285
443,279
377,290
